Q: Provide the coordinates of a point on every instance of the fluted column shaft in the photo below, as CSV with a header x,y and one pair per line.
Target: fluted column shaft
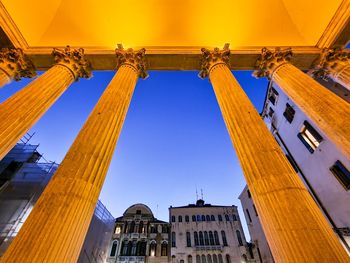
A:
x,y
328,111
21,111
295,228
56,228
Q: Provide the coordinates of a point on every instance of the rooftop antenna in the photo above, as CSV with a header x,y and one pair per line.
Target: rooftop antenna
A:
x,y
202,193
196,194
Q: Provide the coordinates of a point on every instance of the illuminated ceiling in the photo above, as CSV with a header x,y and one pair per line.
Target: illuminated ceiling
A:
x,y
242,23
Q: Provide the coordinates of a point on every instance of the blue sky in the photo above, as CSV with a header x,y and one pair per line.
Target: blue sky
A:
x,y
173,142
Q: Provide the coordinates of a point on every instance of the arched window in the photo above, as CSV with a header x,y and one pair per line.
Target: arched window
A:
x,y
172,218
153,229
124,249
220,217
201,240
198,259
216,238
132,227
212,218
153,249
188,239
207,217
180,218
128,252
173,239
223,235
227,218
206,238
198,218
142,250
114,249
187,218
203,217
215,259
211,238
133,248
189,259
125,227
228,258
204,259
164,229
239,238
209,259
193,218
141,229
196,239
164,249
172,259
234,217
220,258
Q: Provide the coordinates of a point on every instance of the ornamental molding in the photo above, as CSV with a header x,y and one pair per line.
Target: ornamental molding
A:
x,y
330,63
74,60
136,59
270,60
15,64
212,58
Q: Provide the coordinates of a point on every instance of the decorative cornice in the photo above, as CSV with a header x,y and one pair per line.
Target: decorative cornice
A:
x,y
331,62
15,64
269,61
135,59
74,60
211,58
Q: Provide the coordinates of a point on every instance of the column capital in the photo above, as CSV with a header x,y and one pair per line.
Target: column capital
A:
x,y
270,60
212,58
15,64
135,59
331,62
74,60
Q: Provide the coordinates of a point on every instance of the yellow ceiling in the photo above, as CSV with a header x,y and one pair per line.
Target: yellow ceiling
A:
x,y
104,23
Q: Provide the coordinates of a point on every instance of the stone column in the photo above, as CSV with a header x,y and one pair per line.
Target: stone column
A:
x,y
21,111
14,65
334,64
56,228
294,226
328,111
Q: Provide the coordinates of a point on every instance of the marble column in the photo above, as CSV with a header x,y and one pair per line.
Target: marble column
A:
x,y
21,111
334,64
327,110
14,65
294,226
56,228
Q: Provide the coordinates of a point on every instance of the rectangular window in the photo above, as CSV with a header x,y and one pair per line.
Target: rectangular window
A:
x,y
248,214
289,113
309,137
173,239
271,112
342,174
188,239
273,96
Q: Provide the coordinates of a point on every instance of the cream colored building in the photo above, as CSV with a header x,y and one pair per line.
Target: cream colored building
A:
x,y
161,35
139,238
205,233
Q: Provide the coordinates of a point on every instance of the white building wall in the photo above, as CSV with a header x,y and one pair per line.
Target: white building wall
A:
x,y
255,229
181,252
315,166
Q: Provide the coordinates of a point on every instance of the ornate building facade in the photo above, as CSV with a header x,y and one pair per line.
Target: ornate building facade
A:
x,y
205,233
139,237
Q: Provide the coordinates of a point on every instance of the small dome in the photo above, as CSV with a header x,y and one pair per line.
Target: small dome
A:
x,y
200,202
138,208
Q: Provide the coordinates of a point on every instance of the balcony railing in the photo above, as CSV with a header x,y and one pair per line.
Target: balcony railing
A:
x,y
132,258
217,247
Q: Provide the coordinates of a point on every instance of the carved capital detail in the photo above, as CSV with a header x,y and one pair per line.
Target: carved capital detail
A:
x,y
270,60
331,62
211,58
74,60
135,59
15,64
